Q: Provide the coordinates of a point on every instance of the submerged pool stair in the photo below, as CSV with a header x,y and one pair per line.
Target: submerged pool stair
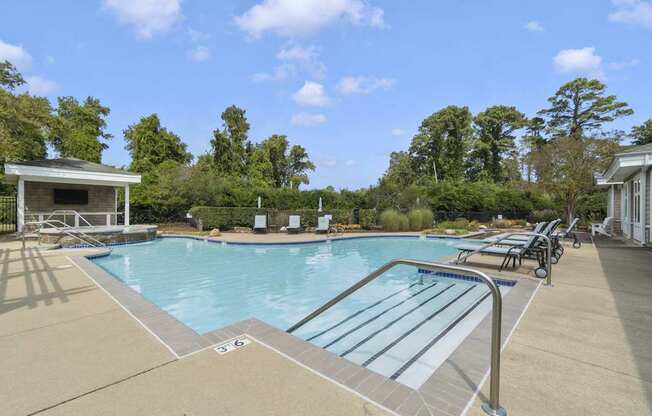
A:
x,y
392,333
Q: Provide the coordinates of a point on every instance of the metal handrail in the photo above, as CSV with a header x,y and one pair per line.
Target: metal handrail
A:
x,y
493,406
68,211
91,241
506,237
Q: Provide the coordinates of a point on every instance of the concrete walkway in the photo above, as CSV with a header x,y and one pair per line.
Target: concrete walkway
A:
x,y
582,348
585,346
69,349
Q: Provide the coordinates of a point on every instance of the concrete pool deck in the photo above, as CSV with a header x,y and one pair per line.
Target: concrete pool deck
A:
x,y
582,348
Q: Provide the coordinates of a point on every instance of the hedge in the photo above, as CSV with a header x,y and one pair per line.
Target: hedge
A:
x,y
229,217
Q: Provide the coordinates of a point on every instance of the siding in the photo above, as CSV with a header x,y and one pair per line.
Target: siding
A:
x,y
39,197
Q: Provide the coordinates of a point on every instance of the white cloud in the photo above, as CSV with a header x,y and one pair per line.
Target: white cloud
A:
x,y
397,132
306,57
197,36
308,120
619,66
147,17
533,26
330,162
300,17
40,86
311,94
350,162
50,60
15,54
294,58
279,73
632,12
200,53
364,85
583,60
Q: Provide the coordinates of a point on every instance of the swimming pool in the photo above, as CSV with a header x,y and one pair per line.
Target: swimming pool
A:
x,y
388,326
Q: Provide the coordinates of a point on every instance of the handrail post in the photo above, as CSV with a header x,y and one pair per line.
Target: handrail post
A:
x,y
492,407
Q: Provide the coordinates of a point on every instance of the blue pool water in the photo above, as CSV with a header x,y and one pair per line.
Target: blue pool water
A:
x,y
209,285
402,325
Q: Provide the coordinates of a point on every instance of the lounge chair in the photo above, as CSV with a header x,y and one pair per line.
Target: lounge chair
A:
x,y
323,225
294,224
569,233
537,229
531,249
521,240
605,228
260,223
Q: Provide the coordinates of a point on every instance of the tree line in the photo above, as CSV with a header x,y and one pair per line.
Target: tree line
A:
x,y
496,160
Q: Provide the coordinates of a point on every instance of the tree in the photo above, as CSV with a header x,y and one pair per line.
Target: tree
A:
x,y
25,120
272,164
150,145
230,145
299,165
495,129
439,147
580,106
533,142
575,162
10,78
642,134
79,130
400,170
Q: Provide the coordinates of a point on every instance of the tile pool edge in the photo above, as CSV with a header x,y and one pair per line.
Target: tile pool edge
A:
x,y
449,389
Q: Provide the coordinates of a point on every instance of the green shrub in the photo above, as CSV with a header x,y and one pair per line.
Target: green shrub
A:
x,y
368,218
420,218
501,224
403,222
544,215
389,220
458,224
225,218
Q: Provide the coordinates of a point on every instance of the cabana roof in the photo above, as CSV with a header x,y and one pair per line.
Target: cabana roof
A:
x,y
68,170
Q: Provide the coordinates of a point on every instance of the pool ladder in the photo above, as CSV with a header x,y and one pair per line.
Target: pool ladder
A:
x,y
492,407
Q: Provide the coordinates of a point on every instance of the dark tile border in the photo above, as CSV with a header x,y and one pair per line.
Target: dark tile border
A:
x,y
446,392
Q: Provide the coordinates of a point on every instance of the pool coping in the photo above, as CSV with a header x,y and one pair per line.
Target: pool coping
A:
x,y
448,391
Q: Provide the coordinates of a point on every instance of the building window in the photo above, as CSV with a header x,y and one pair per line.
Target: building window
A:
x,y
71,196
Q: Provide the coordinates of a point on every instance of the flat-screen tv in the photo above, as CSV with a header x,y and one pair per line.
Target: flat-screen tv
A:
x,y
71,196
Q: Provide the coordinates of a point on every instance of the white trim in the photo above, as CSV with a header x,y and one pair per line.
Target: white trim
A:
x,y
20,205
126,217
42,174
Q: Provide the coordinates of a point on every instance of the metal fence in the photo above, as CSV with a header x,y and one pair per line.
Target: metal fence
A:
x,y
7,214
481,216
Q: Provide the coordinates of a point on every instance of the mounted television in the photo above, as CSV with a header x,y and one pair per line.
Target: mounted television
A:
x,y
71,196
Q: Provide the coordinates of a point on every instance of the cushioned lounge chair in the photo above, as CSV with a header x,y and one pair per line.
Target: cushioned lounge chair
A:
x,y
537,229
323,225
260,224
513,253
294,224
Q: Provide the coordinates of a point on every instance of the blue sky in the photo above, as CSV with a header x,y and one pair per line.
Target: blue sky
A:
x,y
348,79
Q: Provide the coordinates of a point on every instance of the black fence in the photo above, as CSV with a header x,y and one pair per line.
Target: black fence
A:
x,y
481,216
7,214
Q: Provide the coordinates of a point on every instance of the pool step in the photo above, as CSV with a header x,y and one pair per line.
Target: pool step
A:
x,y
392,333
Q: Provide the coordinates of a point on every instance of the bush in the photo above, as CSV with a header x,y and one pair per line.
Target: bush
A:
x,y
544,215
368,218
458,224
225,218
403,222
389,220
420,218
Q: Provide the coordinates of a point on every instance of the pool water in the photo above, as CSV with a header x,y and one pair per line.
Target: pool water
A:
x,y
402,325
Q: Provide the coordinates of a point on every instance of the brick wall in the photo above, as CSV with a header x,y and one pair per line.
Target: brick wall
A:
x,y
39,197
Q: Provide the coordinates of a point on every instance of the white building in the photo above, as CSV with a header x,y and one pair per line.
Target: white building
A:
x,y
629,180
